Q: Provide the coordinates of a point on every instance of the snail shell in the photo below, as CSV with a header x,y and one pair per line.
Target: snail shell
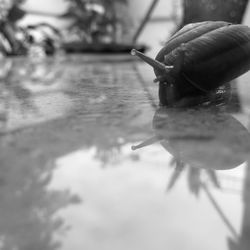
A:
x,y
199,58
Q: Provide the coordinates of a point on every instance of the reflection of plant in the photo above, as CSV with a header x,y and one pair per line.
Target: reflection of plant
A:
x,y
96,20
195,181
14,93
241,241
17,79
28,208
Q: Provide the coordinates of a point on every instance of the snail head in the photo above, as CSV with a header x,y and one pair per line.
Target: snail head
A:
x,y
165,75
162,69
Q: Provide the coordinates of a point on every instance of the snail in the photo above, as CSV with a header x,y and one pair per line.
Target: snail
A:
x,y
201,138
199,58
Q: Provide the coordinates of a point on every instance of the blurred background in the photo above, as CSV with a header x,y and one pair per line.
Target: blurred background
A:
x,y
98,25
73,24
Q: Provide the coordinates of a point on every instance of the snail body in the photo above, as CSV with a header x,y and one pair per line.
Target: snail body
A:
x,y
200,58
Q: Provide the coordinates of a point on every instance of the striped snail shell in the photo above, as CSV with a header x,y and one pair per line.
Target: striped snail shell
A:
x,y
199,58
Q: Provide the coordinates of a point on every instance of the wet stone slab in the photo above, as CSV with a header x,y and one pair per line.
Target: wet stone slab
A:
x,y
69,178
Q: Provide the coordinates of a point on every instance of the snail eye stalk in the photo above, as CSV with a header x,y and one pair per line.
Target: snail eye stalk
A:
x,y
152,62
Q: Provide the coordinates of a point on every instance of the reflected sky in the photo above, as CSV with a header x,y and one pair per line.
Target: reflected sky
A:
x,y
70,180
128,206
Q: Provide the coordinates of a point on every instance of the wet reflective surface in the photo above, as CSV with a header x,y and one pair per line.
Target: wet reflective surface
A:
x,y
69,178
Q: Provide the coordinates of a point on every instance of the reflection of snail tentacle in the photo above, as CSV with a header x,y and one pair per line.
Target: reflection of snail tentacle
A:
x,y
148,142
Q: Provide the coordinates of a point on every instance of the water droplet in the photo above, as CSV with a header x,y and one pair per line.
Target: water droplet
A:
x,y
133,52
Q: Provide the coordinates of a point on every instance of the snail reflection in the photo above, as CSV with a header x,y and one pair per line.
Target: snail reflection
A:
x,y
201,138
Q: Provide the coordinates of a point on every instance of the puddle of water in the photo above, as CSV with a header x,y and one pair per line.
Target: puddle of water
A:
x,y
70,180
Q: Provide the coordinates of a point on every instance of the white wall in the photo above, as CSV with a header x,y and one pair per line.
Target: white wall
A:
x,y
47,6
246,19
155,33
52,6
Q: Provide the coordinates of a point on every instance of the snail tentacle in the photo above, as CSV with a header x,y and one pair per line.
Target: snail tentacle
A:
x,y
152,62
147,142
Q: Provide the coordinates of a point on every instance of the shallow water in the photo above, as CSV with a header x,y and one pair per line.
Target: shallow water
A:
x,y
70,180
